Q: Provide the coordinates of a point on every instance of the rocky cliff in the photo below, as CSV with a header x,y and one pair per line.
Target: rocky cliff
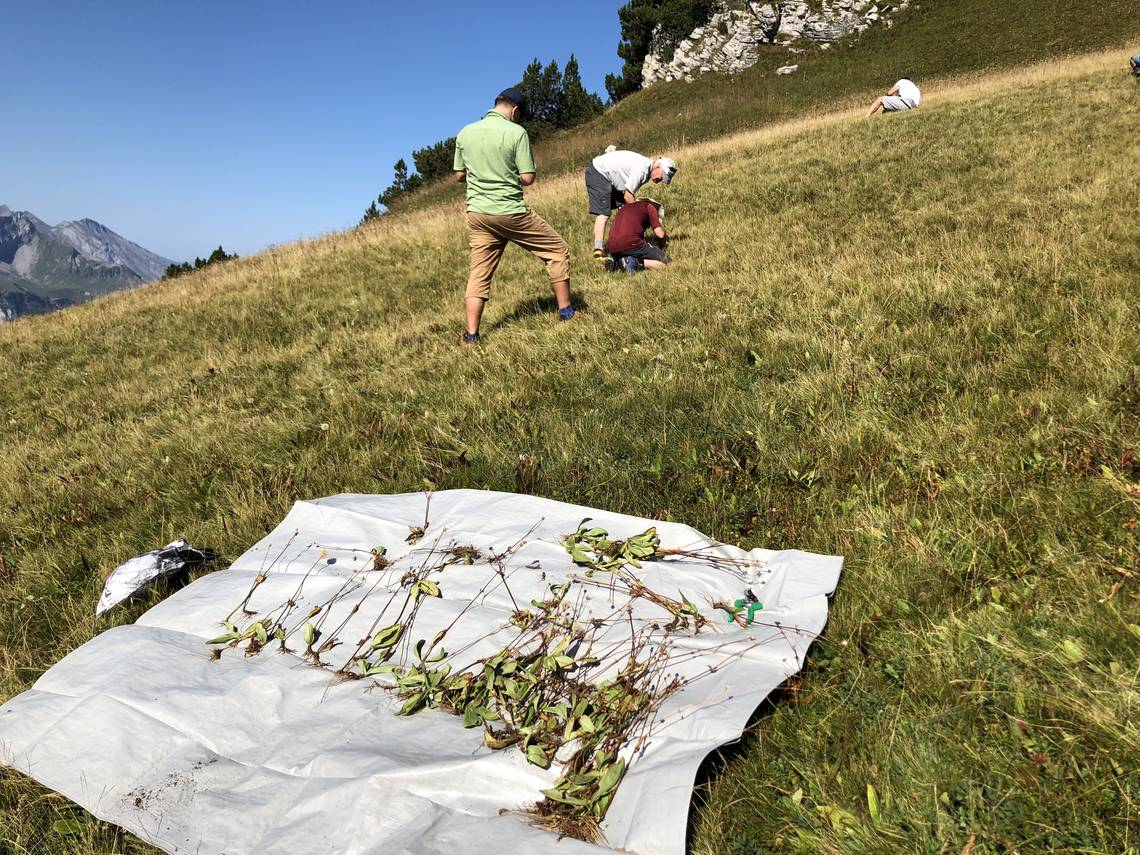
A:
x,y
736,35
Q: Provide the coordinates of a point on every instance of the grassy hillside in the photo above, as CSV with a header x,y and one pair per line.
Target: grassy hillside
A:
x,y
912,341
932,40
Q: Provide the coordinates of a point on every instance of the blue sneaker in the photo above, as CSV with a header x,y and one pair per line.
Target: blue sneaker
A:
x,y
630,265
472,338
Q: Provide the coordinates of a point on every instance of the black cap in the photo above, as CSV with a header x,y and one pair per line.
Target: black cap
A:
x,y
515,97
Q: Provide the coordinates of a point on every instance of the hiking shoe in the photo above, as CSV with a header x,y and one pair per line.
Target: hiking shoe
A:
x,y
630,264
611,264
571,313
600,256
472,338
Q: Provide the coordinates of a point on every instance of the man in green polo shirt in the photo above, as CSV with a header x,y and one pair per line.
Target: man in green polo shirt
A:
x,y
493,156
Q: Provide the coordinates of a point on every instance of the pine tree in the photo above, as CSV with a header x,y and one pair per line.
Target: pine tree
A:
x,y
399,185
576,104
216,256
370,213
175,270
435,161
219,255
542,88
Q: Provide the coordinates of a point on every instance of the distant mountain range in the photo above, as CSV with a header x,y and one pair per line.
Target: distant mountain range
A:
x,y
46,267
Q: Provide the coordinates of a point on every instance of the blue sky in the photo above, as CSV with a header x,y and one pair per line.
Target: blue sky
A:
x,y
185,125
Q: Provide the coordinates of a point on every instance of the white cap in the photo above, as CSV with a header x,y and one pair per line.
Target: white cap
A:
x,y
668,168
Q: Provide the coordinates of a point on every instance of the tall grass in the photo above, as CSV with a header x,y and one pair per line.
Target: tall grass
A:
x,y
912,341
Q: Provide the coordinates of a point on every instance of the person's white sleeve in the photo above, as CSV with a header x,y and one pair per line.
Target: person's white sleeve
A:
x,y
637,177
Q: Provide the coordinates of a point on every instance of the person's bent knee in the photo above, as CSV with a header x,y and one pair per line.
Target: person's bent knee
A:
x,y
558,269
478,289
558,262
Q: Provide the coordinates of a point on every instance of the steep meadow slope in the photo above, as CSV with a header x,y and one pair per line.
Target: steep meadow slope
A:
x,y
911,341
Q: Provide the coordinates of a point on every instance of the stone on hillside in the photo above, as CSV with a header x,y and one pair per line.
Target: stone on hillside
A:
x,y
794,18
787,69
830,29
768,16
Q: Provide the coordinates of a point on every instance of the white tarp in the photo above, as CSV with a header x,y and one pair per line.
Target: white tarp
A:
x,y
270,754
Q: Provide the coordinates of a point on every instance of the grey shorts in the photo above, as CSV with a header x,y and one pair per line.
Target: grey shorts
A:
x,y
893,104
604,197
646,252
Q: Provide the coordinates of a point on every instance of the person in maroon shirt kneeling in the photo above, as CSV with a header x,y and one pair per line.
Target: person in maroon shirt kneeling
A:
x,y
627,245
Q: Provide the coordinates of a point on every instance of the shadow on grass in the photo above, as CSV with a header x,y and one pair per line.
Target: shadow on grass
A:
x,y
713,766
545,305
167,586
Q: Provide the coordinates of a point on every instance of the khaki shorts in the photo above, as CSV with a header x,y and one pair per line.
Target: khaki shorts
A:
x,y
489,235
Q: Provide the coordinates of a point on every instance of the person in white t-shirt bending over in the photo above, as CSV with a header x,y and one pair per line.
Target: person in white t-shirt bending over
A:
x,y
613,179
904,95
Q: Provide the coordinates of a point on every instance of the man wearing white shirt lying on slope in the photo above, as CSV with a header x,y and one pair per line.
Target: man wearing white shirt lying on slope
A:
x,y
904,95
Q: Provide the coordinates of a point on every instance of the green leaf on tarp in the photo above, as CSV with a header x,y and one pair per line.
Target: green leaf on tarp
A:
x,y
413,704
387,637
537,756
611,777
558,796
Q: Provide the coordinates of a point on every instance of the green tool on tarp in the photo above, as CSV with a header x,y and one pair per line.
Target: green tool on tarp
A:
x,y
749,602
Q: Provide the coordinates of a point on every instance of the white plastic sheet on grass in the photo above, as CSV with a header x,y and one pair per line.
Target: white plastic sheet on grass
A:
x,y
269,754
